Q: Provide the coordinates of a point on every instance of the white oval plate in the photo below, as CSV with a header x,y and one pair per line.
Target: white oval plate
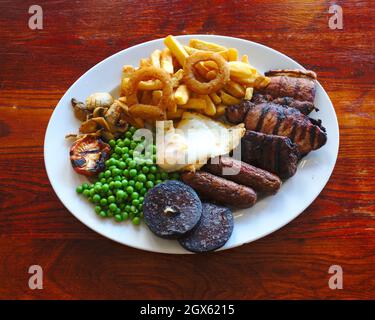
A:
x,y
268,215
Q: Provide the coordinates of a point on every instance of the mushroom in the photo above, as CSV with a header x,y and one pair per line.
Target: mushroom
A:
x,y
99,99
80,110
99,112
116,117
94,124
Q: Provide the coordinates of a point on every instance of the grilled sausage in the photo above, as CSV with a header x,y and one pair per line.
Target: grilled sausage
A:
x,y
220,190
245,174
236,113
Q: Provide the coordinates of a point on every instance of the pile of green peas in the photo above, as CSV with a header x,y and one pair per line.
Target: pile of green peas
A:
x,y
120,189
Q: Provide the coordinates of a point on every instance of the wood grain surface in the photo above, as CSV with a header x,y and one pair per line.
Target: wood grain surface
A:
x,y
38,66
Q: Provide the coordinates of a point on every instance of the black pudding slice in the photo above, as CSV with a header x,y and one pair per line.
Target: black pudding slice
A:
x,y
171,209
212,232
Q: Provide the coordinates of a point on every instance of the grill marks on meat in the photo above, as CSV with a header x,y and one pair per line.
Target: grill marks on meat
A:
x,y
274,119
296,84
304,107
273,153
236,113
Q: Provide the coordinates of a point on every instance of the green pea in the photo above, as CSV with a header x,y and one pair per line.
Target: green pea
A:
x,y
79,189
117,178
125,215
118,217
118,150
164,176
131,183
127,142
129,190
125,156
98,188
116,156
118,184
103,214
117,211
149,184
103,180
90,199
132,164
112,143
85,186
145,170
158,182
112,185
132,172
112,207
151,177
127,208
125,150
138,185
153,169
96,198
92,192
105,187
135,202
133,145
103,202
107,173
136,221
86,192
135,195
143,191
141,178
140,207
124,183
120,143
111,199
101,174
98,209
141,199
120,194
133,209
122,165
128,134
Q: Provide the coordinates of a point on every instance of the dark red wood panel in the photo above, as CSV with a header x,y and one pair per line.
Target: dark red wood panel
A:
x,y
37,66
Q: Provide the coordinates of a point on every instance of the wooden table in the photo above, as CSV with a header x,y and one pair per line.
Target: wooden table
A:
x,y
38,66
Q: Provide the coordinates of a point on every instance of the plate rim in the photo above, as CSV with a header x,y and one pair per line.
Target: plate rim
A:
x,y
207,36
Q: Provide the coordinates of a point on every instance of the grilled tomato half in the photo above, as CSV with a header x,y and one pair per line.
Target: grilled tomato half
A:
x,y
88,155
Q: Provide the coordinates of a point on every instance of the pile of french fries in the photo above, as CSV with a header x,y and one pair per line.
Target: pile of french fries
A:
x,y
243,78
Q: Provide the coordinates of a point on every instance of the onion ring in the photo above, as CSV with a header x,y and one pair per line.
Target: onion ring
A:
x,y
215,84
150,73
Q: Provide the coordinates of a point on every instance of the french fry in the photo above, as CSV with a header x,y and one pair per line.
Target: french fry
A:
x,y
240,69
175,115
247,82
177,77
182,94
210,109
220,110
202,70
156,96
146,97
191,50
127,71
232,54
195,103
146,111
145,62
262,82
227,99
249,93
176,49
206,46
245,58
155,58
166,61
235,89
211,65
215,98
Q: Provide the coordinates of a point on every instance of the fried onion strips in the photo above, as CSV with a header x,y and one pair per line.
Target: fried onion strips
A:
x,y
145,74
222,76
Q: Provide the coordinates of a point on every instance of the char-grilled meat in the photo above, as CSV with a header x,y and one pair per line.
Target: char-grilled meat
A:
x,y
275,119
276,154
304,107
296,84
236,113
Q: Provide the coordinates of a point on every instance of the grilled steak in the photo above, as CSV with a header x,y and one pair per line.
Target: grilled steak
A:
x,y
304,107
296,84
236,113
220,190
272,118
243,173
276,154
